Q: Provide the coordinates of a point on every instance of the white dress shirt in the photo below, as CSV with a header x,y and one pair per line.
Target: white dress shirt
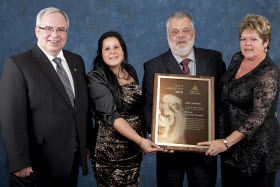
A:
x,y
64,64
191,65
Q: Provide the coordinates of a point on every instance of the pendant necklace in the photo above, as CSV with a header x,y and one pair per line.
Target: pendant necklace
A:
x,y
245,66
125,77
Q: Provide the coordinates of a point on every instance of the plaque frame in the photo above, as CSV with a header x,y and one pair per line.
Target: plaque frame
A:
x,y
176,89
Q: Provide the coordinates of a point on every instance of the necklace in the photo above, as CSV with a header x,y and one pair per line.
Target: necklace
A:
x,y
124,75
251,65
245,66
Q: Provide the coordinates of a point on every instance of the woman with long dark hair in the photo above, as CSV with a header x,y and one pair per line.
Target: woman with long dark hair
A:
x,y
115,97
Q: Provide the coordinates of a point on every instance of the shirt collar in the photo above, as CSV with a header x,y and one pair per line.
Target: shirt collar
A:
x,y
190,56
50,57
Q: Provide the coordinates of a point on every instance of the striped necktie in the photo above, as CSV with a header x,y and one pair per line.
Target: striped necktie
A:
x,y
64,79
186,69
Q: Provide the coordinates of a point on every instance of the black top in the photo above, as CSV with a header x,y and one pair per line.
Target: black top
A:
x,y
248,105
101,98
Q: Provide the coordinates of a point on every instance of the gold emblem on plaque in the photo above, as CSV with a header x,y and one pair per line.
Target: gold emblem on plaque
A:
x,y
194,90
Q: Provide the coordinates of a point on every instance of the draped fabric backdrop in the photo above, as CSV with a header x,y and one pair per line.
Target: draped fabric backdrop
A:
x,y
142,25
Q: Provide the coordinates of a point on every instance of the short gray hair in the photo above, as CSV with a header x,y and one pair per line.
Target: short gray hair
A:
x,y
179,15
50,10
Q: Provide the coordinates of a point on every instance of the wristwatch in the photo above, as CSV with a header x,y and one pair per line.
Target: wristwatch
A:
x,y
225,142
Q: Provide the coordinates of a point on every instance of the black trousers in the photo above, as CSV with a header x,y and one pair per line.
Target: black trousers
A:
x,y
37,181
233,178
201,170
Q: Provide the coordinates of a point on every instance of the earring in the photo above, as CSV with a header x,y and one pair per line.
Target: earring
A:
x,y
265,50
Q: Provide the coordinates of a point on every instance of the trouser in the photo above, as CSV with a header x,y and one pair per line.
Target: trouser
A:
x,y
37,181
201,170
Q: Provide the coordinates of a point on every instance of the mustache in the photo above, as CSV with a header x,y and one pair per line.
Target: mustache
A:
x,y
181,40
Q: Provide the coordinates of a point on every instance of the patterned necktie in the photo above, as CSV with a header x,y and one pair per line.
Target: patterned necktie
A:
x,y
186,69
64,79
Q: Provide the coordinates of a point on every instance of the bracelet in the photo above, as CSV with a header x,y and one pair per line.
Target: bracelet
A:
x,y
140,142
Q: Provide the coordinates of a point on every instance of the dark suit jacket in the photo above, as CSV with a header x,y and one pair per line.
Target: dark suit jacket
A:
x,y
37,119
208,63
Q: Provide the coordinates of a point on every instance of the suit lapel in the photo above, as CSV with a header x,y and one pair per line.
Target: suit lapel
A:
x,y
47,69
171,64
201,62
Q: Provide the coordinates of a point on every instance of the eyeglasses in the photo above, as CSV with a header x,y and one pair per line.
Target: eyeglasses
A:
x,y
49,30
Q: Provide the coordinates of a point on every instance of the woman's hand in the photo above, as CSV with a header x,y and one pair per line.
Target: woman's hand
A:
x,y
148,146
216,147
164,150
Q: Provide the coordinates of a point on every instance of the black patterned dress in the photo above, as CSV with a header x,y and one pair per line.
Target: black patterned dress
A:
x,y
115,159
248,105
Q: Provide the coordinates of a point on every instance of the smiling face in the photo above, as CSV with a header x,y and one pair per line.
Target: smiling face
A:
x,y
52,42
180,36
251,45
112,53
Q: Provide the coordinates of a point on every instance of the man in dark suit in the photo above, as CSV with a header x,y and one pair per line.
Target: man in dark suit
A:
x,y
171,168
44,108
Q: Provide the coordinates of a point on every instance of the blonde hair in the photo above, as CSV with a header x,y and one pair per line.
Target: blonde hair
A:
x,y
257,23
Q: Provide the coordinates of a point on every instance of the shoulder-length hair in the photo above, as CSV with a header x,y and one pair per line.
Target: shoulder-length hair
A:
x,y
111,77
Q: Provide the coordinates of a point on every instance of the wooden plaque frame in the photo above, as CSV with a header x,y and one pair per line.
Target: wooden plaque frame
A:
x,y
183,112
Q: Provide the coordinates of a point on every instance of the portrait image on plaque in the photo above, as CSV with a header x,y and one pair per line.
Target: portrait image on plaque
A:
x,y
183,111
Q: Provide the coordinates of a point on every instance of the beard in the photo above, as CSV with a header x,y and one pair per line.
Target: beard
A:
x,y
165,124
181,51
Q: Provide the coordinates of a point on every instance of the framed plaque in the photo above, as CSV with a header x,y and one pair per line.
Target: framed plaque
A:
x,y
183,112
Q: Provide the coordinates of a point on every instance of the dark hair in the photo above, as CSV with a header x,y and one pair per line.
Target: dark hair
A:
x,y
98,61
111,77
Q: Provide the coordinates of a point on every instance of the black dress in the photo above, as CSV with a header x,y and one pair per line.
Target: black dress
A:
x,y
248,105
115,159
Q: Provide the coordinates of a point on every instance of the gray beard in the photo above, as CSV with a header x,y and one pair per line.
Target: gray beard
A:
x,y
181,52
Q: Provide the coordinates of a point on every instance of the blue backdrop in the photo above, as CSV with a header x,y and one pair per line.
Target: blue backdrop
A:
x,y
142,24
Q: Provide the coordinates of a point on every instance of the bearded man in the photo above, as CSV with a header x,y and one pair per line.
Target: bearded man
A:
x,y
181,58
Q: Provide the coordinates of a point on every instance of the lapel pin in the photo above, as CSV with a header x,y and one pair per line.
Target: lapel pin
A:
x,y
75,69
